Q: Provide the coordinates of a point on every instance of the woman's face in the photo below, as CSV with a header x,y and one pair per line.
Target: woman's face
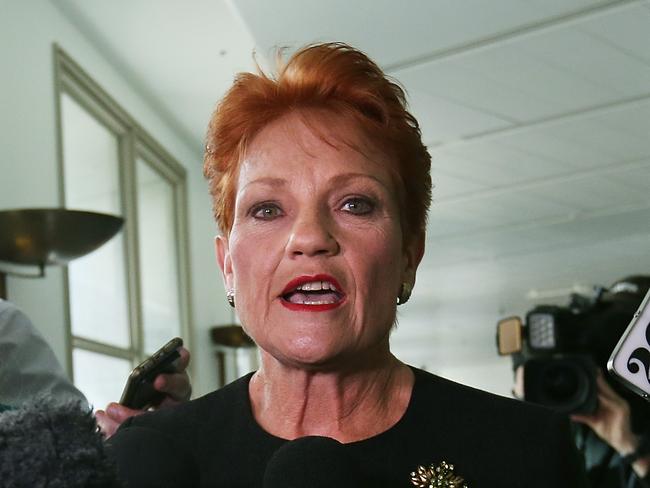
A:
x,y
315,254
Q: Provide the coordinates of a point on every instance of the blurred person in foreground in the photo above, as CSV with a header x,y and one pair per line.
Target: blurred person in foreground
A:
x,y
321,188
28,366
29,369
615,439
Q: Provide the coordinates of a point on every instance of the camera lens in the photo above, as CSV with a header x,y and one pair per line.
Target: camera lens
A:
x,y
566,384
560,383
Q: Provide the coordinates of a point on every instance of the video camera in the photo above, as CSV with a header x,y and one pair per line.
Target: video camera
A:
x,y
553,345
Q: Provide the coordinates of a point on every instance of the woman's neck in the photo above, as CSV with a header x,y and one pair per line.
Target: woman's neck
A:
x,y
347,405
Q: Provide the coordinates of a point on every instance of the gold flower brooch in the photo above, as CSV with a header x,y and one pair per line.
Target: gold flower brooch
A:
x,y
440,476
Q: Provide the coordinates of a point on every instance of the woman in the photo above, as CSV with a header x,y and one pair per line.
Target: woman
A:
x,y
321,187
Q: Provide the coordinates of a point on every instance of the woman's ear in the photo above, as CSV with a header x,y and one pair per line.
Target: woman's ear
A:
x,y
222,250
413,251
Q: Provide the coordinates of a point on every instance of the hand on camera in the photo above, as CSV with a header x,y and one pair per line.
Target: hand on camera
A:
x,y
612,423
176,386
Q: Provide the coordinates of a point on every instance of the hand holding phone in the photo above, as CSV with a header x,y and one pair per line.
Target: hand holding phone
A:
x,y
139,392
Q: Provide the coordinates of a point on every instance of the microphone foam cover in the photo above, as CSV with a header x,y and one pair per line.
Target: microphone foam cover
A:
x,y
55,445
311,462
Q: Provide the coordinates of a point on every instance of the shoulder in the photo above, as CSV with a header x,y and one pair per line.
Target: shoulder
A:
x,y
536,441
433,390
16,327
490,415
12,317
6,306
192,422
162,448
219,407
29,366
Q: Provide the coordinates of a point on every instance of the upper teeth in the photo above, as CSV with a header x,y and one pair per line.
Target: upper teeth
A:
x,y
316,286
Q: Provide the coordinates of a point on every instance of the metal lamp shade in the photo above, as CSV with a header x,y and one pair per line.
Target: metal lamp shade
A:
x,y
43,236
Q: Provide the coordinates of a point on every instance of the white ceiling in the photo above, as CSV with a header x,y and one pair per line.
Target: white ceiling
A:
x,y
537,114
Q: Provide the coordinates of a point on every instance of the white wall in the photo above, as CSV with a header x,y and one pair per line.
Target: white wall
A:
x,y
29,169
459,342
449,325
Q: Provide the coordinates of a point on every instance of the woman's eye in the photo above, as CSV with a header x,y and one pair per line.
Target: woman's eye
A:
x,y
358,206
266,211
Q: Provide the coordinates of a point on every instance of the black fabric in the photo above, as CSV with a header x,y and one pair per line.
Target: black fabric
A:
x,y
492,441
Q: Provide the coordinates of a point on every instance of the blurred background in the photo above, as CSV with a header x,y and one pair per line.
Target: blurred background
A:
x,y
536,113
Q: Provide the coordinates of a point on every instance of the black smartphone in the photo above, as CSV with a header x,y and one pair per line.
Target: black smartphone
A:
x,y
139,392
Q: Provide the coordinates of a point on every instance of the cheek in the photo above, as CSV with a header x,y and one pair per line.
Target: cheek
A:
x,y
380,268
251,276
252,250
252,265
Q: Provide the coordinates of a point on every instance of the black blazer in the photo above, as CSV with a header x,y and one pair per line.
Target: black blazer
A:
x,y
493,442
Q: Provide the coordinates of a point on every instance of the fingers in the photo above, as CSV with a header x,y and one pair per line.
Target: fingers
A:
x,y
609,397
605,388
184,360
605,406
120,413
579,419
106,425
588,420
609,404
110,419
176,385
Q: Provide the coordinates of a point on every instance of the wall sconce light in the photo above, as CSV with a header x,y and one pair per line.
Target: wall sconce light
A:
x,y
50,236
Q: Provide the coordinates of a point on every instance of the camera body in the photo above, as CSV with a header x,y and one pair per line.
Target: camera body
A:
x,y
553,347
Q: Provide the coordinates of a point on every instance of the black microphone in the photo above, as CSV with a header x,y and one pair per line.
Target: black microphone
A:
x,y
54,445
312,462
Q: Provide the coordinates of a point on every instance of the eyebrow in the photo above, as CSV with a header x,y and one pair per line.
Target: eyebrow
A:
x,y
342,178
266,180
338,179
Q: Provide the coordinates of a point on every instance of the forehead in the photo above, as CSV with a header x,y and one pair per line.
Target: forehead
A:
x,y
313,144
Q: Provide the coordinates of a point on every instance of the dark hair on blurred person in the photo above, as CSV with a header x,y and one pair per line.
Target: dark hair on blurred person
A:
x,y
54,446
341,80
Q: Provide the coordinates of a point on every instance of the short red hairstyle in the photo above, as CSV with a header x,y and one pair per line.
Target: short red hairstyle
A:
x,y
331,76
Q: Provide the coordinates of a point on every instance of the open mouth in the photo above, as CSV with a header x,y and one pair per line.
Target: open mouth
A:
x,y
315,291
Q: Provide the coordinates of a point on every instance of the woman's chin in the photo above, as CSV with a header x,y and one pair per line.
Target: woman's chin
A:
x,y
307,353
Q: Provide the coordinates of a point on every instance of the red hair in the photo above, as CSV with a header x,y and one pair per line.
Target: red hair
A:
x,y
331,76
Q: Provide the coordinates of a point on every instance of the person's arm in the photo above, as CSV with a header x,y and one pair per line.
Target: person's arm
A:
x,y
611,422
177,387
29,367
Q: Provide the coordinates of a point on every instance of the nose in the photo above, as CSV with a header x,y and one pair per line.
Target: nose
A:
x,y
311,235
